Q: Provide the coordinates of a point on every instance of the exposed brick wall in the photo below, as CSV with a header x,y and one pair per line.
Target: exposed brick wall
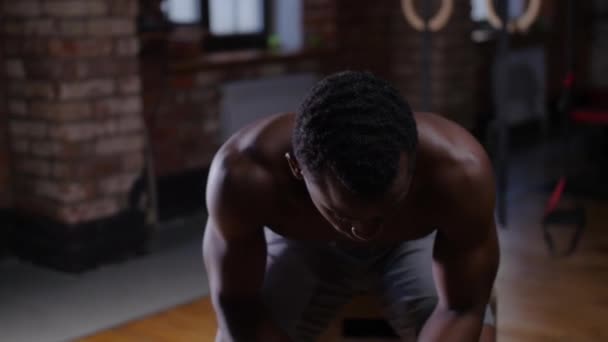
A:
x,y
73,105
182,105
182,109
5,162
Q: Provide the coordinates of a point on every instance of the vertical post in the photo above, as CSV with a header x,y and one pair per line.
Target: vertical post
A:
x,y
569,77
426,57
571,21
565,105
500,85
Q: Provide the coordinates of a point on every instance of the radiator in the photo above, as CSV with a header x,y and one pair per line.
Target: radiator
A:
x,y
246,101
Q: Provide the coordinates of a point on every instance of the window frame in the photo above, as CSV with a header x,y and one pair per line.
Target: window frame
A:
x,y
236,41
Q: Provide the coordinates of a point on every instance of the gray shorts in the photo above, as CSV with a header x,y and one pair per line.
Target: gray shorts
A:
x,y
307,283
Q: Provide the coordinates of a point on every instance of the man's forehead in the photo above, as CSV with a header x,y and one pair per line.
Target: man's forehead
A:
x,y
342,201
327,180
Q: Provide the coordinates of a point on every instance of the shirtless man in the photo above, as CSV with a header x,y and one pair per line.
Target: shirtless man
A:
x,y
353,193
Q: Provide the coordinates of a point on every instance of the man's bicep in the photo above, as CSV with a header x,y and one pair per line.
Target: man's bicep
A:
x,y
235,264
465,267
234,246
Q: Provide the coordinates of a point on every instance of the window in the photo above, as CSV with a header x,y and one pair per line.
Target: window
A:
x,y
233,17
236,24
240,24
182,11
479,10
483,31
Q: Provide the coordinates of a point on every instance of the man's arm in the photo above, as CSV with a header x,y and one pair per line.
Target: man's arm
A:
x,y
466,258
234,252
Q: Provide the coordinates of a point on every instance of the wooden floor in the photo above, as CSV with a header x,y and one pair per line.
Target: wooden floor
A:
x,y
539,298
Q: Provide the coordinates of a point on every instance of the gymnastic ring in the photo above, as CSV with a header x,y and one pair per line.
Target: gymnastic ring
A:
x,y
437,22
521,24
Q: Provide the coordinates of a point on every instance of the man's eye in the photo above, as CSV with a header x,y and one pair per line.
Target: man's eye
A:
x,y
338,218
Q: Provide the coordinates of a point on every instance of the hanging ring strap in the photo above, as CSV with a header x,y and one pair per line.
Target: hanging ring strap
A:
x,y
436,23
521,24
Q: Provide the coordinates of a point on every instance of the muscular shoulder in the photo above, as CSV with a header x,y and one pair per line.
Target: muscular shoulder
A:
x,y
464,180
239,189
470,188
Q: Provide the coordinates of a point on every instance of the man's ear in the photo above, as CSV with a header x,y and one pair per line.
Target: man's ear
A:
x,y
293,165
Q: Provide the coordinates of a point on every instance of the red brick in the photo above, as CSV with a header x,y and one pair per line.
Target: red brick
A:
x,y
124,8
133,162
126,65
106,67
119,144
39,27
31,89
75,8
204,95
63,192
20,146
98,47
129,85
127,46
50,68
119,184
74,132
75,150
22,8
22,128
90,210
208,78
69,69
121,125
61,111
41,148
71,27
272,70
12,46
25,47
99,167
33,167
28,27
17,107
184,81
305,66
12,26
14,68
118,106
82,168
110,27
62,170
83,131
86,89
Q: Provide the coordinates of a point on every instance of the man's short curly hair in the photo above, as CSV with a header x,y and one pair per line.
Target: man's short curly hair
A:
x,y
355,125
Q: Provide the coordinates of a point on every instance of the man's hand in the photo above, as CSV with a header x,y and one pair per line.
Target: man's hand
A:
x,y
464,281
